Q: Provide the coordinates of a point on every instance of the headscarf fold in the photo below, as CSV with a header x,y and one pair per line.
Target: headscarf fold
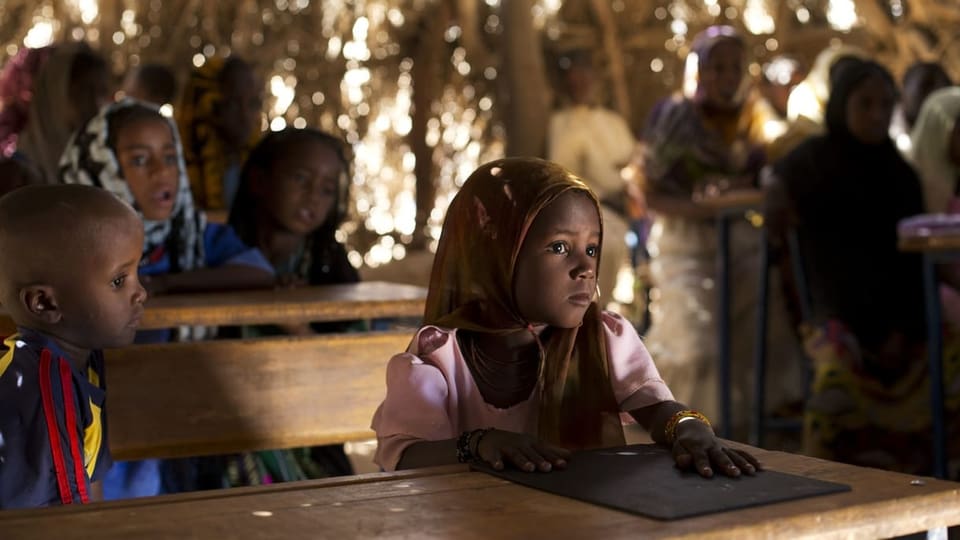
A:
x,y
89,160
471,288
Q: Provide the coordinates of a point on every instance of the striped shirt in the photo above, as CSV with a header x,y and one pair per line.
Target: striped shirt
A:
x,y
53,434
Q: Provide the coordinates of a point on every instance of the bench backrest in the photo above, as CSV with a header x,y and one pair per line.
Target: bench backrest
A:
x,y
213,397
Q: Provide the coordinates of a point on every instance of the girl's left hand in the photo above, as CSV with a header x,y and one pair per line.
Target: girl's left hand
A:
x,y
697,447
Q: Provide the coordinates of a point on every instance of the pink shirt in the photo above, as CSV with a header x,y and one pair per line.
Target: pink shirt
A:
x,y
432,396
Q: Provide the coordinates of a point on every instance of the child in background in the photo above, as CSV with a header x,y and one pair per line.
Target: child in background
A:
x,y
72,290
518,364
292,197
132,151
219,118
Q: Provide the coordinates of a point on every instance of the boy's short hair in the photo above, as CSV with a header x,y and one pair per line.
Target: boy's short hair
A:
x,y
43,226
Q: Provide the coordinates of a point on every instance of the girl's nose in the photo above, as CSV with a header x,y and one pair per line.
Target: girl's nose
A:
x,y
584,270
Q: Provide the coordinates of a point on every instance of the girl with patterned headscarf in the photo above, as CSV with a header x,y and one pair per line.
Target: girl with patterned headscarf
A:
x,y
712,141
133,151
219,119
517,362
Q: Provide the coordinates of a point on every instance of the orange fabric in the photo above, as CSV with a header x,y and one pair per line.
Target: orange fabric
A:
x,y
471,288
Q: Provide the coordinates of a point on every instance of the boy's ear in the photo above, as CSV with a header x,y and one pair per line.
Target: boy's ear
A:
x,y
40,301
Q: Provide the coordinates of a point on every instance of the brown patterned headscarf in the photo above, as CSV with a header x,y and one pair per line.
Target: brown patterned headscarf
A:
x,y
471,288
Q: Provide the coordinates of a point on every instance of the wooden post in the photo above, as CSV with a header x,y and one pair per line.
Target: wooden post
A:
x,y
614,52
524,94
426,74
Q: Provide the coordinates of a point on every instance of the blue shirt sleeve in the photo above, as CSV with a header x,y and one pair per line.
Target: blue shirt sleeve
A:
x,y
222,246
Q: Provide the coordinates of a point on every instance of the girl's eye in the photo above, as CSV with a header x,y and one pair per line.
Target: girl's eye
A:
x,y
170,159
138,161
559,248
118,282
592,251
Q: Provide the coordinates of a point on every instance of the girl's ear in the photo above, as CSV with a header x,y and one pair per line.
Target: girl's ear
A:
x,y
40,302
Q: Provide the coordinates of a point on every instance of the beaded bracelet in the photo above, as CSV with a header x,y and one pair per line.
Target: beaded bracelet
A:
x,y
670,428
466,450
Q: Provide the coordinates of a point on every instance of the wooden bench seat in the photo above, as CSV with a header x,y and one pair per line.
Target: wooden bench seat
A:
x,y
215,397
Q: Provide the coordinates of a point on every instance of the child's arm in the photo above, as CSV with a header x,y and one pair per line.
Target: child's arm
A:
x,y
493,446
226,277
694,443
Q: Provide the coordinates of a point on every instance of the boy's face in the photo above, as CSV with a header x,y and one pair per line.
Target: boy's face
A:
x,y
555,278
100,298
148,163
302,188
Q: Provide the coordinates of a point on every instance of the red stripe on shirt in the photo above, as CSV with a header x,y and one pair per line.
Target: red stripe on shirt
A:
x,y
46,393
70,411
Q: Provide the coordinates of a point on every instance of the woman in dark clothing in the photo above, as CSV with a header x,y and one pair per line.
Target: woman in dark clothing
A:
x,y
843,194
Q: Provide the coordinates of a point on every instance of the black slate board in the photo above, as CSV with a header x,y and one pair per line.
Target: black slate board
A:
x,y
641,479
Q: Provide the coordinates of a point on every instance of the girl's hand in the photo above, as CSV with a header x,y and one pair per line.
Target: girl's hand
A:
x,y
523,451
697,447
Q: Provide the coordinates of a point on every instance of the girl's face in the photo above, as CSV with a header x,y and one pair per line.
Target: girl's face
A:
x,y
301,189
555,278
721,74
148,162
869,109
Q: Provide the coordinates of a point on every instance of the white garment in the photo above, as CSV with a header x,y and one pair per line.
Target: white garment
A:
x,y
595,143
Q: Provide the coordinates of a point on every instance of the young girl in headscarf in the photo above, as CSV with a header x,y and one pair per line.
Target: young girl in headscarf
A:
x,y
712,141
517,363
133,151
843,194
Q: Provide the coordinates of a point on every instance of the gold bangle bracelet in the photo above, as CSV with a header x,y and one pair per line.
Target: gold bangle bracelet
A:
x,y
670,428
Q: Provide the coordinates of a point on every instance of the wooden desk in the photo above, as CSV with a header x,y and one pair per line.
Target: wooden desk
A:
x,y
451,502
727,205
935,250
364,300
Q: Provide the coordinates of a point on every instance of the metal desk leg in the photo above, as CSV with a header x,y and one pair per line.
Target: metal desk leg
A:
x,y
723,323
760,345
935,354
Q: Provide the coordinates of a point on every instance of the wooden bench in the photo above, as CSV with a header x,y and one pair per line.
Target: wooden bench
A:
x,y
213,397
363,300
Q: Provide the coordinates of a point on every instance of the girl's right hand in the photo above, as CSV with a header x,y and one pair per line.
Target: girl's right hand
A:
x,y
521,450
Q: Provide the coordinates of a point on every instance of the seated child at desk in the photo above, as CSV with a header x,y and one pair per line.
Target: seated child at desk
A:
x,y
132,151
291,199
517,364
70,284
293,195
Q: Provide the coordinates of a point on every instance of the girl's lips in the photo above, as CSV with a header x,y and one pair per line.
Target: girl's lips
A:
x,y
580,299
